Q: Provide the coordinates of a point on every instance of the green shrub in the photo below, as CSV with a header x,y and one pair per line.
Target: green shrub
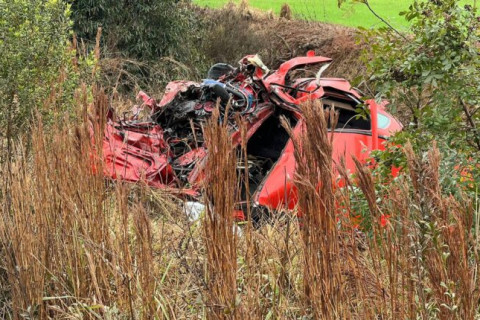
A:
x,y
432,72
145,44
35,61
145,29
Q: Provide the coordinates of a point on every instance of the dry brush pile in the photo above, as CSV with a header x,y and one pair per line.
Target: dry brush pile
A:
x,y
237,30
74,246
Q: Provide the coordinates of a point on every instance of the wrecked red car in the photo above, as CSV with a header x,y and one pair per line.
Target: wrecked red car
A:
x,y
168,150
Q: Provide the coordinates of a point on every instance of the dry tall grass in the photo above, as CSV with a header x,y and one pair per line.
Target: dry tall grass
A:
x,y
73,246
220,238
316,202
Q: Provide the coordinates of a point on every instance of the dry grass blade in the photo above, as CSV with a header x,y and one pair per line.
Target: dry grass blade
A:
x,y
71,246
313,153
446,233
220,238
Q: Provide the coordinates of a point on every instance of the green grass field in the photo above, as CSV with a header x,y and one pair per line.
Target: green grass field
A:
x,y
350,14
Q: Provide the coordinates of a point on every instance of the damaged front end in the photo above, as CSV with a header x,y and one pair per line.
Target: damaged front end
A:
x,y
168,149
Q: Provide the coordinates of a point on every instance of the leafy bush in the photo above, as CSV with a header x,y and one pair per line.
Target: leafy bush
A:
x,y
433,72
144,43
35,60
144,30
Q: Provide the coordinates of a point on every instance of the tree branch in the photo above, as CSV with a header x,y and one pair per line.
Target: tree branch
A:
x,y
473,126
383,20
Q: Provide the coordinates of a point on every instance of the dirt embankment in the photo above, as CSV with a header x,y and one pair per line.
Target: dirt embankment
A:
x,y
239,30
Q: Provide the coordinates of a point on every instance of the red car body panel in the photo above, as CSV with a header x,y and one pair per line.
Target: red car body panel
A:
x,y
279,190
164,154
